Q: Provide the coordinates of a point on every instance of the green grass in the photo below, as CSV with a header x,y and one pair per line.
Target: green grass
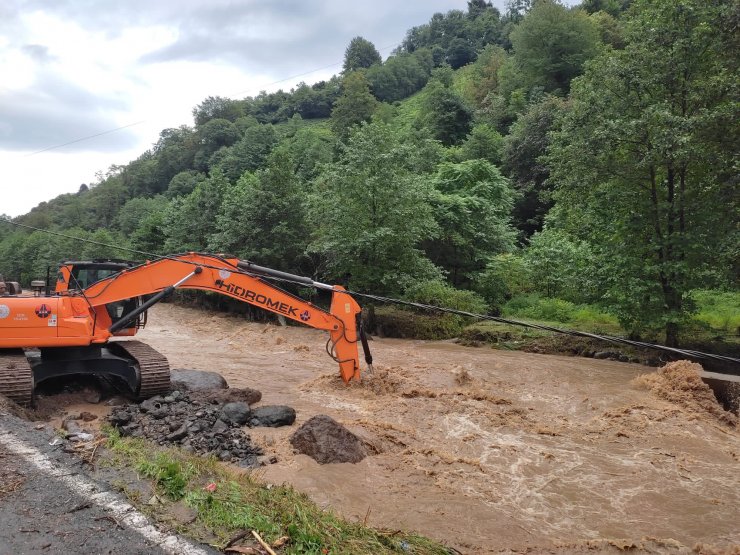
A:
x,y
720,310
239,502
561,313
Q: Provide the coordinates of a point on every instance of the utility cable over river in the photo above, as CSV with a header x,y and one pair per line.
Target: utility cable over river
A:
x,y
729,367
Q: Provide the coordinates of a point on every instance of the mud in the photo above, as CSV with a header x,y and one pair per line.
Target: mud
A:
x,y
6,405
680,383
485,450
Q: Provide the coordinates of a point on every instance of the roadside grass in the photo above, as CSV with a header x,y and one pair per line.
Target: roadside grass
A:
x,y
229,502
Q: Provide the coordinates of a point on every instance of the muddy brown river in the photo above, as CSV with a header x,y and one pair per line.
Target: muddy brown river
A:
x,y
485,450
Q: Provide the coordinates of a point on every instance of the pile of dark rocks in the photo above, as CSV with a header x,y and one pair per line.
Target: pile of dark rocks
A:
x,y
203,422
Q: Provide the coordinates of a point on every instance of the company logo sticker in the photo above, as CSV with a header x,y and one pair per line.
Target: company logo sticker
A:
x,y
4,311
305,315
43,311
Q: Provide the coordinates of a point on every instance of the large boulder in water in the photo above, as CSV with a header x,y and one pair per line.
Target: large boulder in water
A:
x,y
272,416
196,380
231,395
237,413
326,441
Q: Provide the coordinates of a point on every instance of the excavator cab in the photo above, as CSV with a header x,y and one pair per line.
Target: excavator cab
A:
x,y
77,275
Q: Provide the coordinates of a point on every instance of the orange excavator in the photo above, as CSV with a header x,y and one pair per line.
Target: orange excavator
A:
x,y
71,329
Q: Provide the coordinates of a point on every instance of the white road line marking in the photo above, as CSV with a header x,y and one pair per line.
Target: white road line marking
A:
x,y
111,503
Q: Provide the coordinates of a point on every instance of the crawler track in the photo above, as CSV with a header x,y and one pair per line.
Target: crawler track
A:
x,y
16,377
153,367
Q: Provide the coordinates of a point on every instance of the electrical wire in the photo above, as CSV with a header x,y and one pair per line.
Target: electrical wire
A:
x,y
108,131
389,300
86,138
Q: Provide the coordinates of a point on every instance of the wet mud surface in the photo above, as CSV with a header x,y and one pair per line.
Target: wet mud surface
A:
x,y
485,450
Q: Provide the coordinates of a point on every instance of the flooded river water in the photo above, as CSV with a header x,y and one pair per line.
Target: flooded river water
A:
x,y
485,450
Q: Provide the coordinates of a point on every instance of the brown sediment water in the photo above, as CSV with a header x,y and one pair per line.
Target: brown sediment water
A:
x,y
680,383
488,450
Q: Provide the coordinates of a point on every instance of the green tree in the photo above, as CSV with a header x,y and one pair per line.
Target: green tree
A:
x,y
611,7
551,45
360,54
371,212
473,210
523,150
310,147
188,221
263,217
215,107
136,210
484,77
646,162
355,105
444,112
484,143
248,154
401,75
504,276
559,266
460,53
610,29
183,183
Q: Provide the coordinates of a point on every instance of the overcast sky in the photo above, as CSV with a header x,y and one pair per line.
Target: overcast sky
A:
x,y
75,68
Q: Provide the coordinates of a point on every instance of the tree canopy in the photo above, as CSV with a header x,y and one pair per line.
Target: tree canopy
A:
x,y
550,153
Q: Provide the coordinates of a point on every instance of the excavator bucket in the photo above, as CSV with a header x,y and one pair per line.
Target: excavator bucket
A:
x,y
344,341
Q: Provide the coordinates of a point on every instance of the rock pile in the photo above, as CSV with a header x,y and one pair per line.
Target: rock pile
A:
x,y
202,422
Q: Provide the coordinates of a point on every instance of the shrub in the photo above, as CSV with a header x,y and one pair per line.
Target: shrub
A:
x,y
538,308
412,323
389,321
505,276
439,293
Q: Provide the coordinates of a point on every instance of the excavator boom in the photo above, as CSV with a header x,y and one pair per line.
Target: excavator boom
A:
x,y
73,326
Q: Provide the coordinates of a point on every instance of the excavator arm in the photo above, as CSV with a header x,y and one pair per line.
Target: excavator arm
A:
x,y
234,278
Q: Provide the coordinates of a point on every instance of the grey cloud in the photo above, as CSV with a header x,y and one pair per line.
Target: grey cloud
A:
x,y
221,32
274,37
38,52
55,111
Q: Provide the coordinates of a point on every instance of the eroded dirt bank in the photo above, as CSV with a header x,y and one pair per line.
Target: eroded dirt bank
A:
x,y
484,449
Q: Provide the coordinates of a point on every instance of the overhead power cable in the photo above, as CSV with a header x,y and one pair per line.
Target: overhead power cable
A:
x,y
108,131
689,353
88,137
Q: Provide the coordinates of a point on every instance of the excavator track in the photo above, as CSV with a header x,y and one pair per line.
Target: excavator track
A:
x,y
153,367
16,377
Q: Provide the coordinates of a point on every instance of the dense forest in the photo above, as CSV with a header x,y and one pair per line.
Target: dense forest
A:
x,y
550,162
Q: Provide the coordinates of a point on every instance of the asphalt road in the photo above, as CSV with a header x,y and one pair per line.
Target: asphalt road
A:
x,y
49,504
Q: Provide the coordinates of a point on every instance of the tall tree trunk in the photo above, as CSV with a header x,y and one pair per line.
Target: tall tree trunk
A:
x,y
671,334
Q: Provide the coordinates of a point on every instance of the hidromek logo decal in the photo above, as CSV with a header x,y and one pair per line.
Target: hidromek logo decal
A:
x,y
258,298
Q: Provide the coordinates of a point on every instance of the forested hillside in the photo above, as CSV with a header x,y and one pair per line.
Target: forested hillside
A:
x,y
547,161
